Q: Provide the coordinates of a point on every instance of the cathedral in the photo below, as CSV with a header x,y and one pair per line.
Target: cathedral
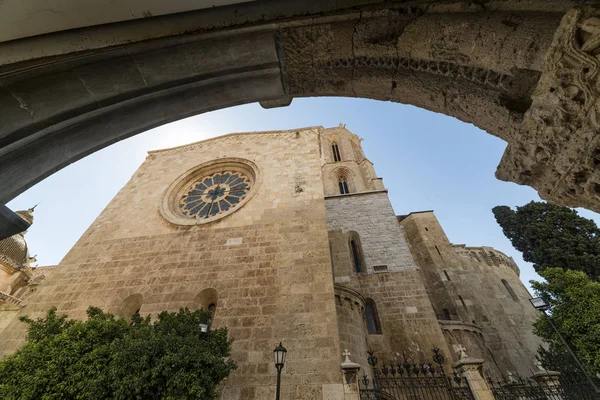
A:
x,y
286,236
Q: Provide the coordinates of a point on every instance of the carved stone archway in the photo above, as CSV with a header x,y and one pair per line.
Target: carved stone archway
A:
x,y
525,72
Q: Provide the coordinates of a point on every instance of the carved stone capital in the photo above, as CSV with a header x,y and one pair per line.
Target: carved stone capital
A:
x,y
558,149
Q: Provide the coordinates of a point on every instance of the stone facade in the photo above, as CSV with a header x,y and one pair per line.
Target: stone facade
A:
x,y
480,288
313,256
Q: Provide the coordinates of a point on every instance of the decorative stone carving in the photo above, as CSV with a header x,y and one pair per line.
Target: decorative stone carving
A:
x,y
349,368
558,151
444,68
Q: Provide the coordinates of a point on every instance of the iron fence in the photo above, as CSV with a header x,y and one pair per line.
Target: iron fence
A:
x,y
405,380
530,389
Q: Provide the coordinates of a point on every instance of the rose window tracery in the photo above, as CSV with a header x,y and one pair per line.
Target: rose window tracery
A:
x,y
214,194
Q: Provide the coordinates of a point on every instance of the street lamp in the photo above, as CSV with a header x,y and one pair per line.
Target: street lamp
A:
x,y
279,353
540,304
204,328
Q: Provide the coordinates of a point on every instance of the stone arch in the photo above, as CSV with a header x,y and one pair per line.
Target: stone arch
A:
x,y
207,299
130,305
490,68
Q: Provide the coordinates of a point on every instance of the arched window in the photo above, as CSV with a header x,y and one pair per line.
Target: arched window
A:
x,y
510,290
373,325
355,255
212,308
130,305
343,186
207,300
336,152
446,313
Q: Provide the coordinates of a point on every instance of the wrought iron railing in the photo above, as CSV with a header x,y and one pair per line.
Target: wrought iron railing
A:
x,y
406,380
530,389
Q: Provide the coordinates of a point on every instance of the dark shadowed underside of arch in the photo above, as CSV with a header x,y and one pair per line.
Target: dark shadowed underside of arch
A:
x,y
523,71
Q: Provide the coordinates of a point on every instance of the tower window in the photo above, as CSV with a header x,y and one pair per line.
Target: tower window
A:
x,y
446,314
373,326
336,152
447,276
462,301
438,251
343,186
355,262
356,254
510,290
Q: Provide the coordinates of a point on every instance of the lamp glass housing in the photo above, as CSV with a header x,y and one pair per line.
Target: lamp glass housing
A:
x,y
279,354
539,304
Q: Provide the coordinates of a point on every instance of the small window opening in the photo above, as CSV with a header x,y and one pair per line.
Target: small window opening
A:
x,y
426,229
446,314
510,290
212,308
336,152
438,251
355,259
462,301
343,186
447,276
373,326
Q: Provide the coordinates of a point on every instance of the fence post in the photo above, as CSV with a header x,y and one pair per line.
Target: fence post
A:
x,y
548,379
471,370
350,372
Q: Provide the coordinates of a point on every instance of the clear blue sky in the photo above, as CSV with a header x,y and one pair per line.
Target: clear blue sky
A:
x,y
427,161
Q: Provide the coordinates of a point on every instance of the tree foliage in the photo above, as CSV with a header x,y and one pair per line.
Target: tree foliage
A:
x,y
109,358
552,236
575,307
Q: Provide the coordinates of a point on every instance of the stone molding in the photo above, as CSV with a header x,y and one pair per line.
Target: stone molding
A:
x,y
11,299
229,136
443,68
355,299
336,196
460,326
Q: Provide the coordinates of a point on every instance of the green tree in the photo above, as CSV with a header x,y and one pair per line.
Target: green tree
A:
x,y
552,236
574,301
109,358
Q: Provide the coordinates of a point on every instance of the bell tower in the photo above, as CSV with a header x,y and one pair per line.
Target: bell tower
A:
x,y
345,168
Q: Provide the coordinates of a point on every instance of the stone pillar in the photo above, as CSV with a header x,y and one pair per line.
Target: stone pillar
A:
x,y
471,369
350,372
547,379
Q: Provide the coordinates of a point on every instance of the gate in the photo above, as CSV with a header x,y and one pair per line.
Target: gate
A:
x,y
412,381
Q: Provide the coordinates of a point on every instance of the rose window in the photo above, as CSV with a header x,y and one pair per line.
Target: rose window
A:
x,y
214,194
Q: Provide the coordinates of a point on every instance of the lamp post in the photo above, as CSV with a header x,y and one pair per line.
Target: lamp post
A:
x,y
279,353
540,304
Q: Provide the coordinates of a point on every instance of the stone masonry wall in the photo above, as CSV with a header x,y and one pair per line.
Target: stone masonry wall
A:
x,y
268,262
469,282
408,322
372,217
350,309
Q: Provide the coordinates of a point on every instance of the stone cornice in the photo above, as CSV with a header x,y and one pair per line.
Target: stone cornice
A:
x,y
198,144
337,196
460,326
